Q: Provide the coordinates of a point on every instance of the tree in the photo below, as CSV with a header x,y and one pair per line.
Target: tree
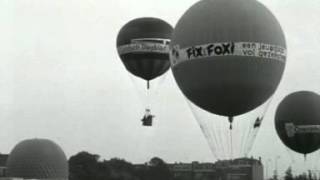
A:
x,y
288,175
121,169
120,165
158,170
310,175
84,166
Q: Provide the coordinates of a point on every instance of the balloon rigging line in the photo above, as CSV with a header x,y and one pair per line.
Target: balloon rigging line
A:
x,y
204,130
255,131
227,139
250,128
223,140
230,132
290,154
214,140
209,140
252,139
230,118
247,137
316,160
252,135
216,136
243,138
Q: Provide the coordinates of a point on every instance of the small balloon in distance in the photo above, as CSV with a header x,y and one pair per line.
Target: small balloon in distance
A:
x,y
297,121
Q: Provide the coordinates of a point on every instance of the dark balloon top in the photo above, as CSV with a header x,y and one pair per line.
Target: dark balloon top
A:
x,y
228,56
147,27
143,46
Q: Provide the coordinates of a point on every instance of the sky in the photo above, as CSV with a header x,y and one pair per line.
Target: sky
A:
x,y
61,79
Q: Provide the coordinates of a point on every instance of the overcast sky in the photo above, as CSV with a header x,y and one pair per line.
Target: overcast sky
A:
x,y
61,78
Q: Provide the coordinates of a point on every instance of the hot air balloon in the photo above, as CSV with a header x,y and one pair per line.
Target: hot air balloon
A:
x,y
143,46
228,56
297,121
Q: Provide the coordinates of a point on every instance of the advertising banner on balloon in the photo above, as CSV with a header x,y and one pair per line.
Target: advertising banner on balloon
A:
x,y
262,50
145,45
292,129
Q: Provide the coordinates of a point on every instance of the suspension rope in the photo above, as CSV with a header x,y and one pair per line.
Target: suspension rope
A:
x,y
230,118
214,141
204,128
224,139
216,128
215,144
206,133
254,130
245,127
231,144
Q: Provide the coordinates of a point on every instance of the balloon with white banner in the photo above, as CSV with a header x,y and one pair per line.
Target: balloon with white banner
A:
x,y
143,46
228,58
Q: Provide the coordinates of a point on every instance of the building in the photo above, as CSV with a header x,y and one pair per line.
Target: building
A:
x,y
3,167
237,169
193,171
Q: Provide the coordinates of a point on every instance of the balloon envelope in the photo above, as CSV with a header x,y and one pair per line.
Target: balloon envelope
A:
x,y
228,56
143,46
297,121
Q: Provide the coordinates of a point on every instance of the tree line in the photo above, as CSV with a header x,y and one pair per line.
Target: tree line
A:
x,y
309,175
86,166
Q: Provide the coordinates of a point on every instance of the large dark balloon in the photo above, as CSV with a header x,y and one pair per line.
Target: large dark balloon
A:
x,y
228,56
297,121
143,46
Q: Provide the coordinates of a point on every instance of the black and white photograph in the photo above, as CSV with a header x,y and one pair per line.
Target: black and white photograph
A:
x,y
159,90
